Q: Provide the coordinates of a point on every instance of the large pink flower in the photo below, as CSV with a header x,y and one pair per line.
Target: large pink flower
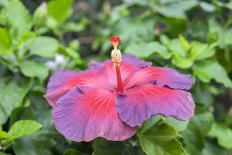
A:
x,y
112,98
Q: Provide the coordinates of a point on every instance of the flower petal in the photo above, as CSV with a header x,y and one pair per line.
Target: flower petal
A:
x,y
85,113
63,81
161,77
128,66
141,102
99,75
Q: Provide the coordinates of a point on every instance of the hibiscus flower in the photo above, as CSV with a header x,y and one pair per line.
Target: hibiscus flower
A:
x,y
111,99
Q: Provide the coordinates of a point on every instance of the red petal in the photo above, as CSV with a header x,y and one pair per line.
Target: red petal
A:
x,y
63,81
161,77
128,67
141,102
100,75
85,113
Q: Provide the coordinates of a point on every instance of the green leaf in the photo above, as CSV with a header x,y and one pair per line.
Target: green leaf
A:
x,y
181,62
12,95
19,25
72,152
178,125
5,41
3,2
225,37
1,153
180,49
103,147
207,6
197,129
76,27
40,143
175,9
185,44
34,69
55,7
127,29
47,140
202,95
144,50
177,48
71,53
3,134
22,128
208,70
160,139
213,149
44,46
201,51
40,15
223,135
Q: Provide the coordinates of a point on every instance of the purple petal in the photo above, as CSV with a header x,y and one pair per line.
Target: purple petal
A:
x,y
141,102
58,85
63,81
136,61
161,77
85,113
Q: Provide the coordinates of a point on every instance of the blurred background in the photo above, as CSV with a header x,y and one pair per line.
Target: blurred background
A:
x,y
38,37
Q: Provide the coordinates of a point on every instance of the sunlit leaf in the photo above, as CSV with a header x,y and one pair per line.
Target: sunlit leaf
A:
x,y
34,69
55,7
5,41
19,25
144,50
44,46
208,70
3,134
12,95
22,128
223,135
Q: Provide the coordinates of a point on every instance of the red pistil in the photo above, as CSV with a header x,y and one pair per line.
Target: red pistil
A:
x,y
116,58
120,87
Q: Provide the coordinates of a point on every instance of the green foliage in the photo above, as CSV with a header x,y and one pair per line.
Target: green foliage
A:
x,y
12,95
17,26
223,135
55,7
103,147
36,39
44,47
5,41
144,50
208,70
34,69
19,129
197,130
160,139
22,128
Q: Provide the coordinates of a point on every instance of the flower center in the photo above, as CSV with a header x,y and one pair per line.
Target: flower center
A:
x,y
116,57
